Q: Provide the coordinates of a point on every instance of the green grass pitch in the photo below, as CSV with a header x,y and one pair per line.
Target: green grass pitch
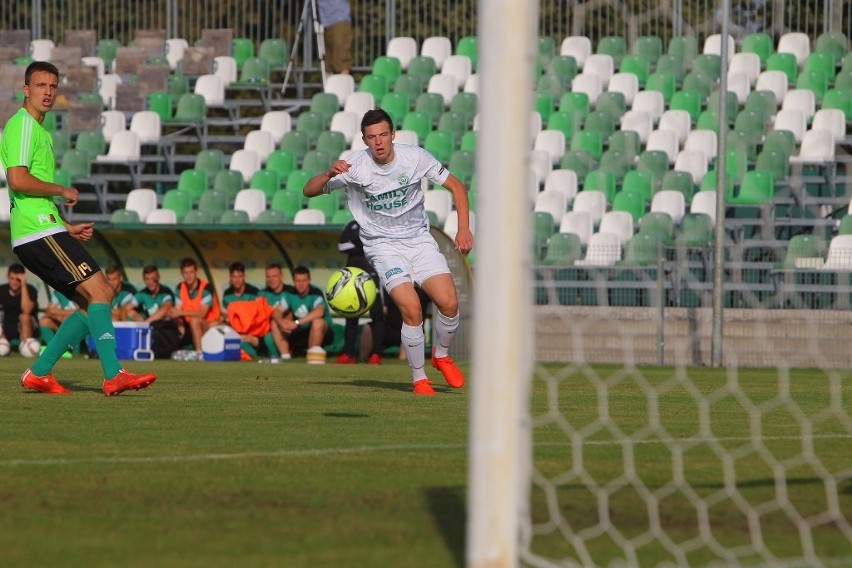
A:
x,y
224,464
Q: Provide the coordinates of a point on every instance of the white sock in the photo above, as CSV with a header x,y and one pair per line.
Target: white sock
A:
x,y
413,342
445,332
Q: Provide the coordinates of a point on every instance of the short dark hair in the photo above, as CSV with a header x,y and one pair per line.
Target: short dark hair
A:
x,y
237,267
375,116
187,262
112,269
39,66
302,270
274,265
16,268
150,269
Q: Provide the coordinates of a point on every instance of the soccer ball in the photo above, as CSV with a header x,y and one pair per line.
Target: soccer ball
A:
x,y
5,348
350,292
30,348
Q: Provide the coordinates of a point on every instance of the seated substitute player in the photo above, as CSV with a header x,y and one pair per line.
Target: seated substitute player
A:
x,y
304,318
350,243
197,306
124,302
50,247
19,302
154,300
274,293
240,291
382,185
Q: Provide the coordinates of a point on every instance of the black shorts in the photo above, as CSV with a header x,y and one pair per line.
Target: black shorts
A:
x,y
60,260
298,339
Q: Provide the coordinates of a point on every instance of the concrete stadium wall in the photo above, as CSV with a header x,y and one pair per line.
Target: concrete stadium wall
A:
x,y
752,338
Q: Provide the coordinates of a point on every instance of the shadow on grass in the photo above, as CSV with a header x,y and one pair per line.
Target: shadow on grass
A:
x,y
344,415
447,505
403,386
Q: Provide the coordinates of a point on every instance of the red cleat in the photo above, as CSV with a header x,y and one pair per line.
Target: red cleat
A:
x,y
447,366
126,380
424,388
345,359
46,384
375,359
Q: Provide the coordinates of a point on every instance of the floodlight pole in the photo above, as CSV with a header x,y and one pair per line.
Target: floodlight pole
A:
x,y
721,185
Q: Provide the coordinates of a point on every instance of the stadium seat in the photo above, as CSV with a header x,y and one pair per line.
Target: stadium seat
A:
x,y
468,46
613,46
804,251
671,202
664,141
422,67
562,249
260,142
325,104
396,105
590,84
210,162
638,121
235,217
162,217
340,85
287,203
268,181
440,202
704,202
213,202
403,48
639,182
438,48
247,162
176,200
346,123
274,51
693,162
271,217
309,217
359,103
658,223
578,47
784,63
459,67
592,202
603,249
793,121
277,123
377,85
252,201
119,216
441,144
651,102
225,67
619,223
194,182
696,230
388,67
774,81
796,43
630,202
760,44
832,120
627,84
713,45
578,223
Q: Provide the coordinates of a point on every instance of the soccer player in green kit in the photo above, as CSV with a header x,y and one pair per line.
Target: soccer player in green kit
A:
x,y
50,247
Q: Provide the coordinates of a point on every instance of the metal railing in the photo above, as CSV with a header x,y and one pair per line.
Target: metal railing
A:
x,y
375,23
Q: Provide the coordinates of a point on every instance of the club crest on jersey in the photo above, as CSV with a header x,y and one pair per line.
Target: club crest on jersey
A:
x,y
403,179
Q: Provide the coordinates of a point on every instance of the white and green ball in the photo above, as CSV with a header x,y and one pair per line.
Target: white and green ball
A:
x,y
350,292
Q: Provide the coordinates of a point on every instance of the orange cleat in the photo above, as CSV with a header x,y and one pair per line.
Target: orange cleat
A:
x,y
46,384
345,359
424,388
447,366
126,380
375,359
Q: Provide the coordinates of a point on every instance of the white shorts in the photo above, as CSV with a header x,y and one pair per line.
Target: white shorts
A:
x,y
406,260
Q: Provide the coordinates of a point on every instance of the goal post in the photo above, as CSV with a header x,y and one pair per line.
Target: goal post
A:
x,y
503,332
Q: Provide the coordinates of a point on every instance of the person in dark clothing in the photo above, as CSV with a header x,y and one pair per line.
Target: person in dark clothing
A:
x,y
350,244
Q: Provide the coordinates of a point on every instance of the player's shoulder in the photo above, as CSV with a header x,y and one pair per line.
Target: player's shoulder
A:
x,y
252,289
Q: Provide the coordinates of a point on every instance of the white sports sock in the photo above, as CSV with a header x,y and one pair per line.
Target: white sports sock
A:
x,y
413,342
445,332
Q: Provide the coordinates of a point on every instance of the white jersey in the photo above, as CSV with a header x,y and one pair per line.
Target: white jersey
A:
x,y
387,199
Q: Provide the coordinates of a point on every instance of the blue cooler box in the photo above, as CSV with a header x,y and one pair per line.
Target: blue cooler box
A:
x,y
221,343
132,341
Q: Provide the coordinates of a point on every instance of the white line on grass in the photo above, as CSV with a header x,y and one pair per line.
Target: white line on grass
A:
x,y
369,449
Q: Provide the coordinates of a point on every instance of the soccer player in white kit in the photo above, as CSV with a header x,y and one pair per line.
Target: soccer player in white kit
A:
x,y
384,194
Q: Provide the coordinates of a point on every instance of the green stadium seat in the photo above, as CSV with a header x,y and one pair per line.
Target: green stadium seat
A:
x,y
552,85
563,249
823,62
275,52
409,85
271,217
463,165
564,67
684,47
576,104
546,48
242,48
614,46
178,201
287,202
255,72
679,181
698,81
468,141
198,217
696,230
432,104
234,217
763,100
76,163
590,141
194,182
296,180
61,142
422,67
375,84
331,142
544,104
124,217
631,202
213,202
92,142
612,103
839,98
267,181
615,162
782,141
419,122
396,105
296,142
662,82
565,122
455,122
639,182
325,104
642,250
543,229
657,223
650,47
467,104
388,67
775,162
638,65
804,247
341,217
177,86
834,43
441,144
317,161
328,203
714,102
312,124
759,43
671,65
191,108
655,162
687,100
211,162
230,182
284,161
161,103
785,62
845,227
579,161
708,120
628,143
710,64
469,47
597,180
814,80
757,187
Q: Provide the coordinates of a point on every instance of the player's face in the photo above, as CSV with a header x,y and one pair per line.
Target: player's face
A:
x,y
190,274
114,280
14,282
152,280
302,282
238,279
40,92
274,278
379,139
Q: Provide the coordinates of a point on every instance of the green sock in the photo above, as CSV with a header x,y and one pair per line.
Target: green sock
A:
x,y
103,333
72,331
46,334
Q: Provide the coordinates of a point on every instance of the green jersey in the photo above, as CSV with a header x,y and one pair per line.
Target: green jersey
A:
x,y
25,143
149,302
278,299
302,305
229,296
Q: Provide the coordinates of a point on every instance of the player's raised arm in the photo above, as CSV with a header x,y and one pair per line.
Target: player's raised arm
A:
x,y
316,184
21,180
